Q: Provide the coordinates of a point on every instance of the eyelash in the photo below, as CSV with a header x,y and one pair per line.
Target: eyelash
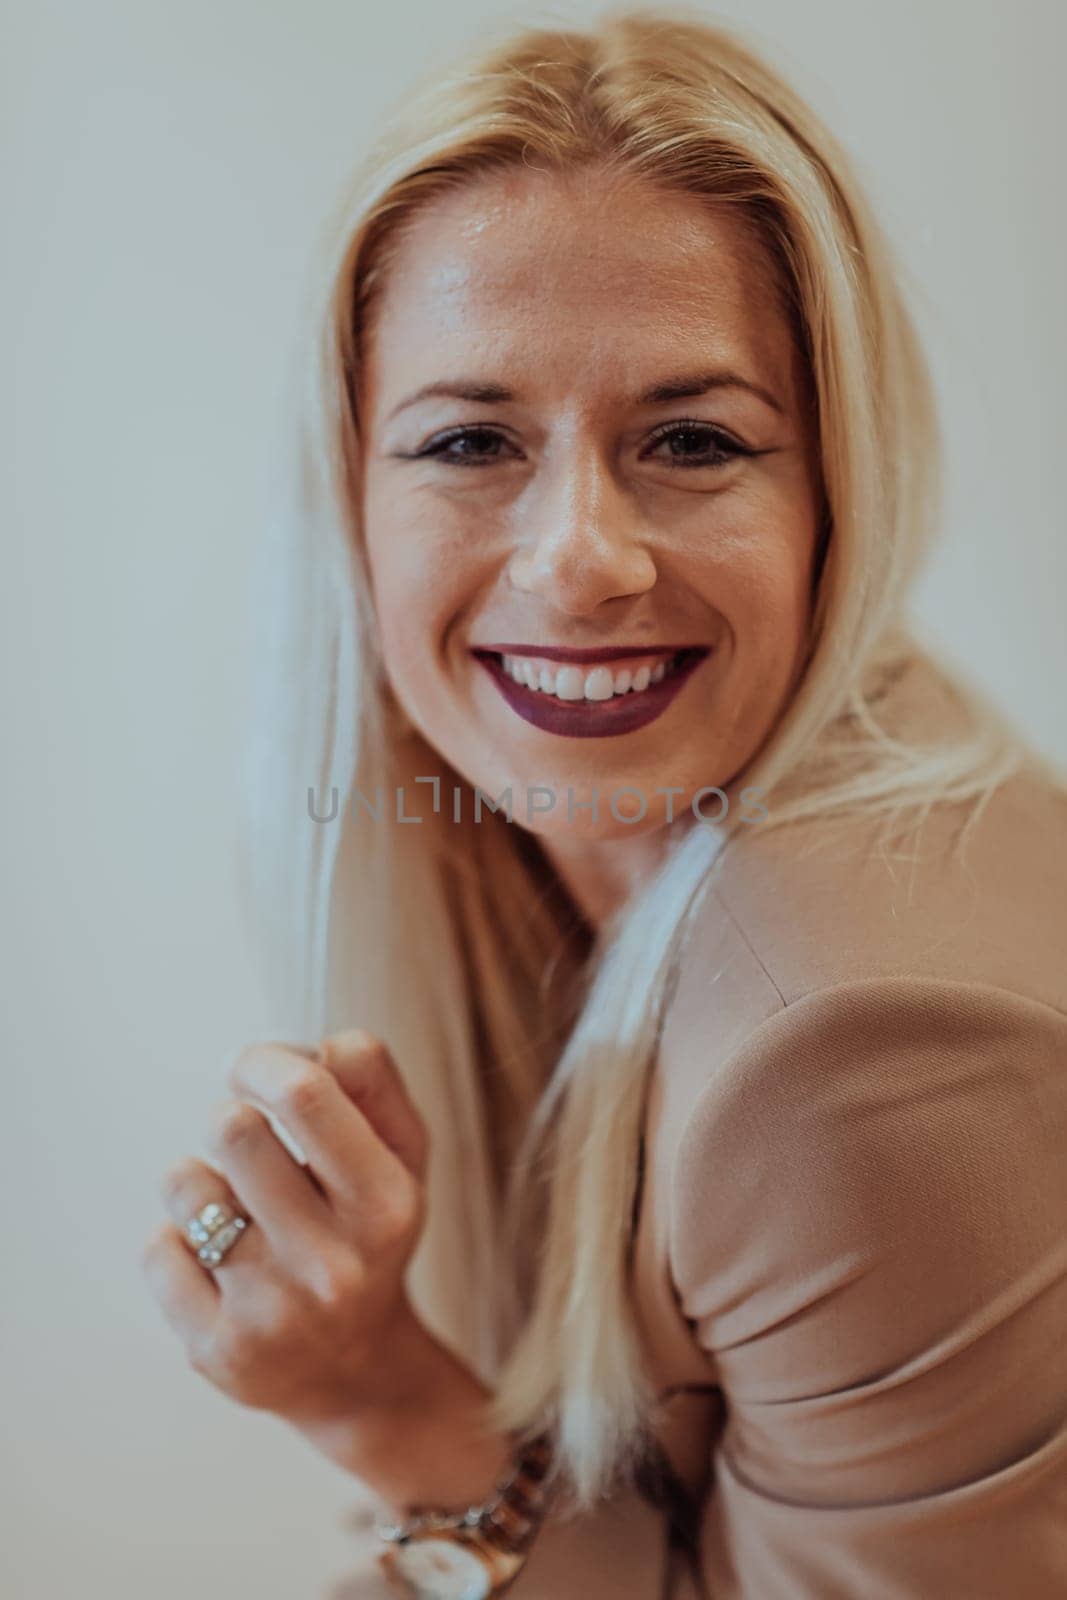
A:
x,y
729,448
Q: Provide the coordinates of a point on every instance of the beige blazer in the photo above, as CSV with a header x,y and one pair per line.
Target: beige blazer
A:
x,y
850,1263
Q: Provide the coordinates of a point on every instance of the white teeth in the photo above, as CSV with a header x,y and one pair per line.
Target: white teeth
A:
x,y
578,683
599,685
570,683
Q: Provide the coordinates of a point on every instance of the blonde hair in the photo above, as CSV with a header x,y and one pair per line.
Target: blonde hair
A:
x,y
526,1043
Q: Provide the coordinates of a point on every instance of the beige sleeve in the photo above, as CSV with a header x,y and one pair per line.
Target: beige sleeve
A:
x,y
869,1235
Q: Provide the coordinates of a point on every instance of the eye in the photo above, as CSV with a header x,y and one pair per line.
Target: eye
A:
x,y
442,447
478,446
709,446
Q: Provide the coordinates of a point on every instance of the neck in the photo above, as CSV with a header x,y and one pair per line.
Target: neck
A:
x,y
600,875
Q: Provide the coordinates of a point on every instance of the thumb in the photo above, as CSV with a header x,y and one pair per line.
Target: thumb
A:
x,y
364,1067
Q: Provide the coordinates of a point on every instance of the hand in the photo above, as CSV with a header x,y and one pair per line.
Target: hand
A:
x,y
307,1315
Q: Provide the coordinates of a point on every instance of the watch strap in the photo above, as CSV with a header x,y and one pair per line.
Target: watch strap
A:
x,y
498,1532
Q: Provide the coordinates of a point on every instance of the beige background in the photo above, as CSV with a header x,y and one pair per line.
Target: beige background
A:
x,y
165,166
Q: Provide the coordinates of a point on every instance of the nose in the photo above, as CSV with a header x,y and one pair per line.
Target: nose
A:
x,y
579,541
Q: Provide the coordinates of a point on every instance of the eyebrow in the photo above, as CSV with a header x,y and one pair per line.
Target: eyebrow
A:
x,y
685,387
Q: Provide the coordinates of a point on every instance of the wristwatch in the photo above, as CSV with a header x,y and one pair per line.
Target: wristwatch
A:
x,y
472,1554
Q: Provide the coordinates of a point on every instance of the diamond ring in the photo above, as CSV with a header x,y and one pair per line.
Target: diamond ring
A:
x,y
214,1231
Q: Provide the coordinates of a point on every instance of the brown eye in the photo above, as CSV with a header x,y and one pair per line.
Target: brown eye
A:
x,y
480,453
701,445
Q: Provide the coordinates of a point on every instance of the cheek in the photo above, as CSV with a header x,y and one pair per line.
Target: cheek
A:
x,y
411,614
420,585
751,554
761,586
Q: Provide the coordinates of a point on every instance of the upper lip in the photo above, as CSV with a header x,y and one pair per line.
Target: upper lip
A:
x,y
591,653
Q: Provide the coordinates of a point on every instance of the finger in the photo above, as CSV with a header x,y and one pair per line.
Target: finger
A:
x,y
364,1067
188,1296
282,1196
233,1078
357,1169
187,1187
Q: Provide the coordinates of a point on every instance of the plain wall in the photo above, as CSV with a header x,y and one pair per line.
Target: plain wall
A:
x,y
166,167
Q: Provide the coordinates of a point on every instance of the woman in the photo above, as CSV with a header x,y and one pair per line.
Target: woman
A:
x,y
684,939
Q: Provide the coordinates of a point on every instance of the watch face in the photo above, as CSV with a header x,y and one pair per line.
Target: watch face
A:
x,y
440,1569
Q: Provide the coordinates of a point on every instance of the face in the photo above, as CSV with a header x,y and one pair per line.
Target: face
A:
x,y
563,505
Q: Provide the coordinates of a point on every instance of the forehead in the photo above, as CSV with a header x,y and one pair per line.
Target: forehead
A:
x,y
555,272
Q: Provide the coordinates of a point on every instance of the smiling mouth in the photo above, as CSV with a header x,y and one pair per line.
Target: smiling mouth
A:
x,y
567,684
592,701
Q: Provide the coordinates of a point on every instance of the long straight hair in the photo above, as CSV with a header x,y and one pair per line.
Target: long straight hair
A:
x,y
526,1040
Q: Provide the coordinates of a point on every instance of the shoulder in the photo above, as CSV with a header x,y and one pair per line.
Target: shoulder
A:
x,y
972,890
870,1078
878,1108
797,912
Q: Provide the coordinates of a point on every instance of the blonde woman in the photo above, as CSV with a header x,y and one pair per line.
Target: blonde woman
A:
x,y
669,1171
